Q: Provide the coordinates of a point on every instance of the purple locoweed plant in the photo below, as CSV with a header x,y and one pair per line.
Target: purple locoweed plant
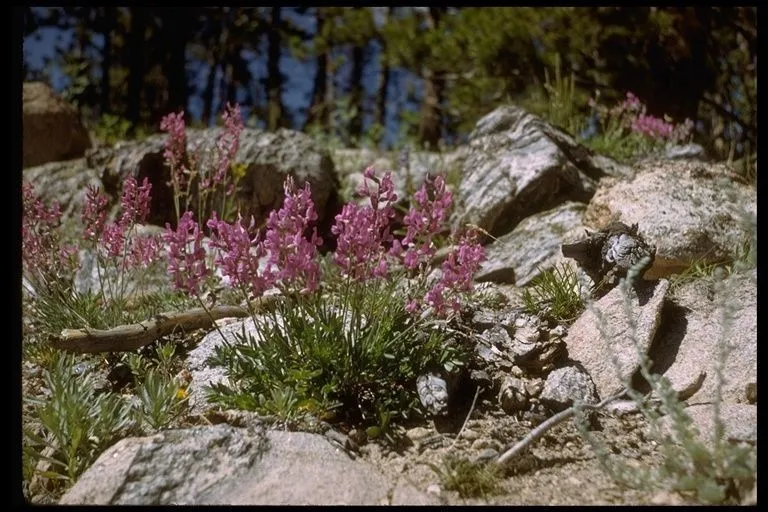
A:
x,y
362,231
121,254
46,262
424,220
238,256
292,257
186,255
456,278
199,178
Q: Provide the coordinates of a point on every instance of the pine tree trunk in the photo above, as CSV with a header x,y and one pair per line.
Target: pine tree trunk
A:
x,y
318,109
177,37
136,47
431,106
355,127
274,79
106,59
380,116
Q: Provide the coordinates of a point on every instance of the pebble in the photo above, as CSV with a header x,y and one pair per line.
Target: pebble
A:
x,y
417,433
434,489
486,455
470,434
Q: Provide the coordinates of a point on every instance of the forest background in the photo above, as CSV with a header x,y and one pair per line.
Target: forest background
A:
x,y
388,76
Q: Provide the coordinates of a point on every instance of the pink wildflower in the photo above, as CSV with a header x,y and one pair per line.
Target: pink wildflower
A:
x,y
113,239
237,261
361,230
292,257
94,214
135,201
457,272
144,251
424,220
651,126
228,142
186,256
41,252
175,145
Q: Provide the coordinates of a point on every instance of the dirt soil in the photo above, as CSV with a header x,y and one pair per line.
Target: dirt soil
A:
x,y
560,469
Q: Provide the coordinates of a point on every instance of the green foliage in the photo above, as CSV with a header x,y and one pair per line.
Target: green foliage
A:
x,y
71,310
355,350
469,479
161,400
77,422
112,128
557,292
558,100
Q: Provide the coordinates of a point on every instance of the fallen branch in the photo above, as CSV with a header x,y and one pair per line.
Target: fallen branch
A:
x,y
133,336
551,422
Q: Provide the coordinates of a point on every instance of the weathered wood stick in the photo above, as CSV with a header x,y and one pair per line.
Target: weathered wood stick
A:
x,y
551,422
133,336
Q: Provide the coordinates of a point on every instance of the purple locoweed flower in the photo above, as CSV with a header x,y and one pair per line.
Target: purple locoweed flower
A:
x,y
228,142
175,146
40,247
424,220
238,262
456,278
362,229
186,255
113,239
94,214
653,127
135,201
292,257
144,251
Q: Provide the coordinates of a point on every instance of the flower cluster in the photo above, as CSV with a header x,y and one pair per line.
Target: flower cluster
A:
x,y
238,262
361,230
292,257
186,255
424,220
455,278
117,239
228,143
175,146
40,248
633,114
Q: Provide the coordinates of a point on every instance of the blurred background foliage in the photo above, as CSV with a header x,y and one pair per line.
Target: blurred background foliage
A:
x,y
386,76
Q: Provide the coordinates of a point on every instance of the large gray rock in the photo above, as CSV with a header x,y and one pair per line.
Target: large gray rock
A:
x,y
607,347
692,332
533,246
268,156
223,465
739,422
405,179
518,165
687,209
52,130
64,182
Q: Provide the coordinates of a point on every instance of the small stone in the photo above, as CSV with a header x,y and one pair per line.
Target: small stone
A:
x,y
417,433
751,392
486,454
470,434
667,498
434,489
566,385
484,319
557,332
533,387
512,396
